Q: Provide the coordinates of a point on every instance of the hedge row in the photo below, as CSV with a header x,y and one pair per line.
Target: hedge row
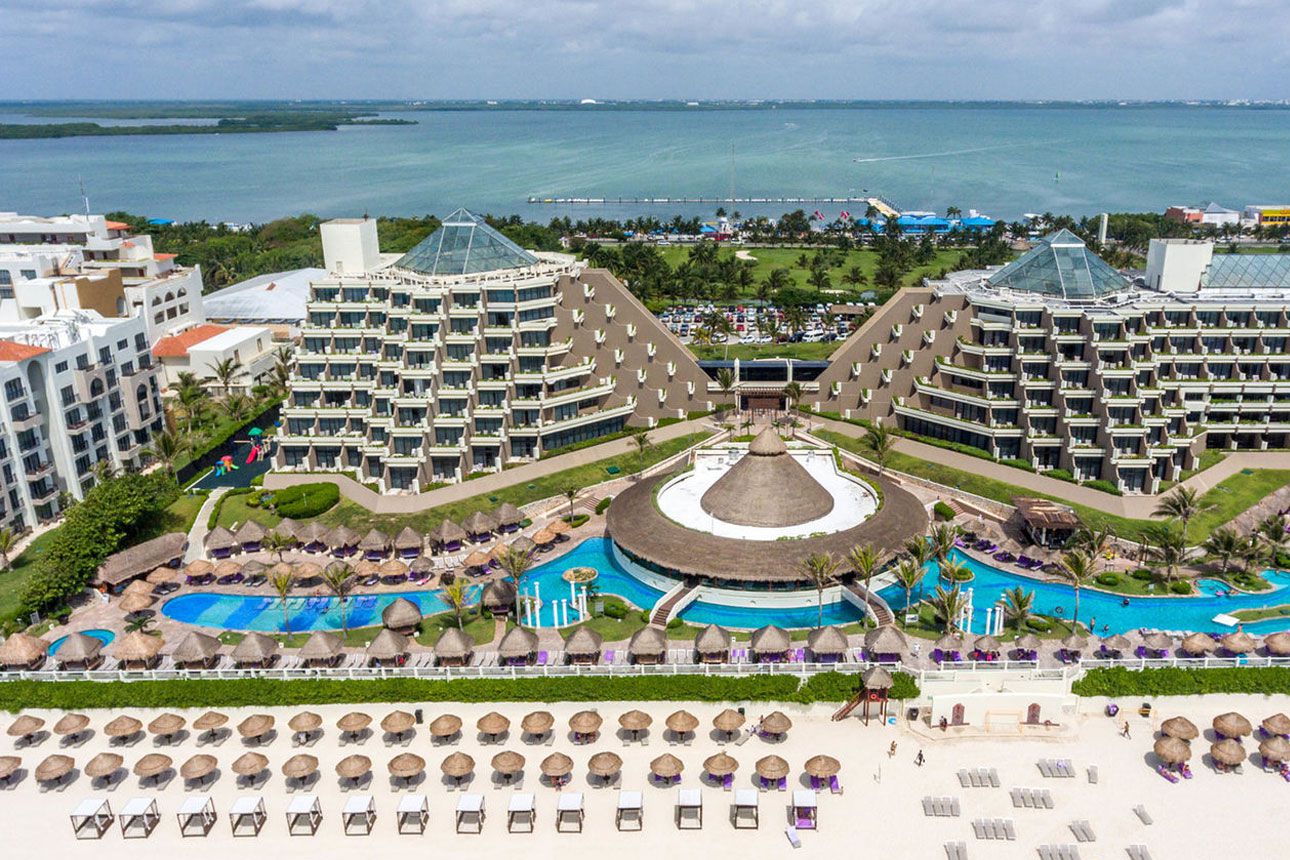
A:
x,y
303,501
267,692
1272,680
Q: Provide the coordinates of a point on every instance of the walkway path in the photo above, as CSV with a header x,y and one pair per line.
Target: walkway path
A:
x,y
1133,507
386,504
197,533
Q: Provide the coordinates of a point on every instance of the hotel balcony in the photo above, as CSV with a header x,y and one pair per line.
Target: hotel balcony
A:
x,y
588,417
577,395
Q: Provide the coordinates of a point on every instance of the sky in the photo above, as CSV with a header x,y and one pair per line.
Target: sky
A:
x,y
622,49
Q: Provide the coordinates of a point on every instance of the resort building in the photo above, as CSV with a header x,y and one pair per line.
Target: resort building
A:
x,y
468,353
275,300
1058,361
200,349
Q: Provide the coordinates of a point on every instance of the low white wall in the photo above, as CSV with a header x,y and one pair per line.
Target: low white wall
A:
x,y
989,708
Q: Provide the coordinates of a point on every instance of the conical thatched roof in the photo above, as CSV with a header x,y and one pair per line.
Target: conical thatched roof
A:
x,y
446,532
682,722
354,767
133,603
498,594
288,527
312,533
1228,752
162,575
509,515
478,558
408,538
397,722
827,640
71,724
1028,642
1199,643
251,532
375,541
422,565
255,726
457,765
122,727
885,640
103,765
585,722
195,647
1075,642
387,645
22,649
138,586
306,570
949,642
199,567
666,766
987,644
249,764
1179,727
543,537
199,766
224,568
253,568
648,641
78,648
1276,749
1158,641
342,536
728,720
537,723
219,538
25,725
9,765
305,722
769,640
321,645
353,722
300,766
365,568
152,764
401,613
584,641
1172,750
209,721
772,767
1278,644
479,523
635,721
1232,725
767,488
524,543
1117,642
393,567
558,526
445,726
137,647
255,648
822,766
720,765
556,765
605,764
508,762
1238,642
493,723
776,723
54,767
712,639
454,644
1277,724
876,678
167,724
407,765
518,642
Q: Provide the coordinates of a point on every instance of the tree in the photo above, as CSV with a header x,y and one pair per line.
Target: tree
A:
x,y
1018,605
854,277
227,371
515,563
457,595
909,574
1223,545
948,604
1272,535
236,406
878,442
641,440
1183,503
7,542
276,543
864,561
1076,567
570,492
942,537
281,582
726,381
141,624
166,447
792,394
340,581
821,568
1169,552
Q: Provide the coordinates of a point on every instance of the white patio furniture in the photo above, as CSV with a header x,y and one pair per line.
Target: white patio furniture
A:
x,y
470,813
745,812
630,811
569,813
304,814
91,818
196,816
521,813
246,816
413,814
139,817
689,809
358,815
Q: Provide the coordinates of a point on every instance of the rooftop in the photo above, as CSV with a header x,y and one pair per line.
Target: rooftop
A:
x,y
11,350
1247,272
176,345
280,296
1060,265
465,245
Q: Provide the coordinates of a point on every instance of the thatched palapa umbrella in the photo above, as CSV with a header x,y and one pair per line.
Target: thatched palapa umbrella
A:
x,y
445,726
1157,641
524,544
1227,752
250,765
1278,644
255,727
122,727
305,723
353,723
666,766
558,526
1075,643
556,766
493,724
822,766
54,768
162,575
1179,727
398,723
1274,750
537,723
949,642
728,721
393,569
1238,642
1196,644
226,568
138,586
198,767
23,651
477,559
457,766
1172,750
354,767
1117,642
307,570
635,721
200,566
365,569
1277,724
776,723
585,723
300,767
605,765
987,645
1232,725
407,766
71,725
720,765
103,765
167,725
682,722
152,766
25,726
132,603
508,763
544,537
210,721
771,767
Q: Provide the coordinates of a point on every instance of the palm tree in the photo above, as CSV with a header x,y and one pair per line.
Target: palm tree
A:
x,y
281,583
821,568
942,537
949,604
1253,553
1169,553
909,574
236,406
1272,534
1075,567
952,570
7,542
792,395
1183,503
515,563
227,371
166,447
1018,604
864,561
141,624
726,381
641,440
1222,545
457,595
276,543
879,442
340,581
570,492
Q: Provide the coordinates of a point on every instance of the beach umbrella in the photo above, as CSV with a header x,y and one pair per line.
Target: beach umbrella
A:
x,y
720,765
22,650
1198,643
457,765
210,721
585,722
537,723
771,767
199,766
300,766
508,763
1117,642
365,568
122,727
1232,725
353,723
103,765
307,570
132,603
1278,644
167,725
1179,727
1275,750
559,527
1172,750
949,642
9,765
198,567
1028,642
304,723
682,722
605,764
1228,752
635,721
1238,642
138,586
25,726
477,559
162,575
1075,642
544,537
822,766
493,723
445,726
524,544
71,724
54,767
255,431
353,767
226,568
666,766
407,765
152,765
250,764
397,722
987,645
728,721
1277,724
556,766
255,726
1157,641
776,723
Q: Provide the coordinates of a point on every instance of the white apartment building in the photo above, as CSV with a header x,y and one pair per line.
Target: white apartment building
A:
x,y
198,350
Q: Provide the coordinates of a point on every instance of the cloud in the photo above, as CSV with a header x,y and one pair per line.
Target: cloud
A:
x,y
642,48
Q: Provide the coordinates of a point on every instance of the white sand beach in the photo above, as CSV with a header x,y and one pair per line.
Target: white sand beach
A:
x,y
879,811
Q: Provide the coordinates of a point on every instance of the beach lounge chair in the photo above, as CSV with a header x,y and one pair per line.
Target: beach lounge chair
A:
x,y
570,813
964,779
745,813
91,818
929,807
954,807
835,787
1017,800
358,815
955,851
1009,831
1046,853
805,809
992,777
630,814
139,817
1143,815
246,816
413,814
978,827
793,839
1045,768
1139,852
1092,774
304,814
470,813
689,809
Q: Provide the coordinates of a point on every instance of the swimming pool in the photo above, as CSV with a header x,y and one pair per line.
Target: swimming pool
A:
x,y
104,636
1052,598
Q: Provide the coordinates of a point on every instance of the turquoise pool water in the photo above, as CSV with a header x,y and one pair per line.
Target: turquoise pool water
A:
x,y
251,612
1108,610
104,636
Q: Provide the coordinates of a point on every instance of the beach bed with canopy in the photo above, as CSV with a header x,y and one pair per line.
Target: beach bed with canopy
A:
x,y
246,816
358,816
745,810
689,809
412,814
570,812
521,814
470,813
196,816
92,818
139,817
304,815
629,812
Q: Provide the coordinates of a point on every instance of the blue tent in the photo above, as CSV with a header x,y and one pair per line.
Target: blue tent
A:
x,y
161,222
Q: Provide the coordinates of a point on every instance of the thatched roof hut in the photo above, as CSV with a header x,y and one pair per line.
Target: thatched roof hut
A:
x,y
1172,750
498,596
447,532
196,648
1232,725
255,649
1274,750
556,766
322,647
518,643
137,647
250,533
454,647
1179,727
387,647
584,644
479,523
1277,724
342,537
220,540
713,641
767,488
408,540
23,651
1196,644
1277,644
508,515
828,640
769,641
648,645
375,541
141,559
720,765
1238,642
313,534
537,723
79,649
987,644
885,640
876,678
402,615
1227,752
772,767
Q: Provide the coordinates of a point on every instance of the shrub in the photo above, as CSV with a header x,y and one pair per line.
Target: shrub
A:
x,y
1018,464
576,520
675,624
616,610
645,615
1039,625
1104,486
1143,575
842,687
1108,579
252,501
1273,680
257,481
302,501
1061,475
1180,587
943,511
603,504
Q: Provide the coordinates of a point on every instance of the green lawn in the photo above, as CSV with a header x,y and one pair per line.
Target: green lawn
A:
x,y
927,627
235,510
1251,615
747,351
1231,497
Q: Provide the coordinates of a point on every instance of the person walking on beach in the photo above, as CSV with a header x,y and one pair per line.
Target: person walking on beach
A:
x,y
1124,733
918,759
891,751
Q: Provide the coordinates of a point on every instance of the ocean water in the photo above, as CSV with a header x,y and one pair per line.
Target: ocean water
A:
x,y
1003,160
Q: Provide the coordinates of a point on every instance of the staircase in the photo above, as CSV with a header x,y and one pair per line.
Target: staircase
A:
x,y
662,612
873,604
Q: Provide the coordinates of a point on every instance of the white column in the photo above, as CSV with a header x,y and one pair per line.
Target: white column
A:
x,y
537,603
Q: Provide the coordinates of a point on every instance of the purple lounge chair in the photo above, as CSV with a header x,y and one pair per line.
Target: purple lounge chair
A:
x,y
834,786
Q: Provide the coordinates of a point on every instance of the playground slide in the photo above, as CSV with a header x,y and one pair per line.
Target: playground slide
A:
x,y
255,451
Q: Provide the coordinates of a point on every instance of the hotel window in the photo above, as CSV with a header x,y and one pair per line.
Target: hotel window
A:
x,y
29,274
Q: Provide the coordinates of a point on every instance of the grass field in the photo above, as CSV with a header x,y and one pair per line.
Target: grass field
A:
x,y
234,509
1223,502
746,351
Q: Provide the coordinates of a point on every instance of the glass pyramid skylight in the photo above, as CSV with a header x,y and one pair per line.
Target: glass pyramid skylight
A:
x,y
465,245
1060,265
1247,271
